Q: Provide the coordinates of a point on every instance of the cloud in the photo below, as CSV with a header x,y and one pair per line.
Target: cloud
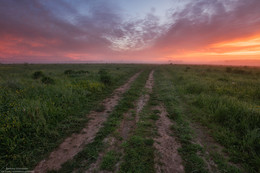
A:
x,y
87,30
36,27
136,34
205,22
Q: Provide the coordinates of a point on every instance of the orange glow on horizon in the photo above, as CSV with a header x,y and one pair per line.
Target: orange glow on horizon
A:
x,y
238,49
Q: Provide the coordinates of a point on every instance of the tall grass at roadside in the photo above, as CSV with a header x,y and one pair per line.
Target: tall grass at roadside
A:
x,y
228,102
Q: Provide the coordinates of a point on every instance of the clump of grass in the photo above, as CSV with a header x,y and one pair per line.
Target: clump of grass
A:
x,y
223,165
67,72
223,79
70,72
48,80
37,75
100,108
138,155
109,160
154,116
105,77
195,88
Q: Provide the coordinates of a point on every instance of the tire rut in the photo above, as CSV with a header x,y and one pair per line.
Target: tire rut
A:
x,y
76,142
167,160
127,126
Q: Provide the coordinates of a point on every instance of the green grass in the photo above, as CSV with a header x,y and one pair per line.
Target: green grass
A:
x,y
223,164
35,117
109,160
138,149
90,152
225,101
40,105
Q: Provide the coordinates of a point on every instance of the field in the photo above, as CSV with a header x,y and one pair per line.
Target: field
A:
x,y
129,118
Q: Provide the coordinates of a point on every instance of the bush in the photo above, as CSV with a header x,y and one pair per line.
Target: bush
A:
x,y
47,80
105,78
68,72
195,88
37,75
102,71
82,72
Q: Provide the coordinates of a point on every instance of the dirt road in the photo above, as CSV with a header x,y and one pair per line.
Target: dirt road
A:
x,y
75,143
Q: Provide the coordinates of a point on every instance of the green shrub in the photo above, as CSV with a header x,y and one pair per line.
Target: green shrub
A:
x,y
68,72
109,161
105,77
102,71
195,88
47,80
37,75
82,72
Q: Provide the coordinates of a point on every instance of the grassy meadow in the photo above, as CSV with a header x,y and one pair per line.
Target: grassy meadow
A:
x,y
224,99
40,105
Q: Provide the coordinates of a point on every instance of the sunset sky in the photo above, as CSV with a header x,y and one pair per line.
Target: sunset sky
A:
x,y
138,31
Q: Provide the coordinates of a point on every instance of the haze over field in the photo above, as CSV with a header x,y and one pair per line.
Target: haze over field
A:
x,y
147,31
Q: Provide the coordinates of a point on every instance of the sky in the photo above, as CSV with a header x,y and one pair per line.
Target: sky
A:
x,y
123,31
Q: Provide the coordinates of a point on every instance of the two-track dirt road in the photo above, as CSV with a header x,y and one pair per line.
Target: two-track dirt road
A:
x,y
76,142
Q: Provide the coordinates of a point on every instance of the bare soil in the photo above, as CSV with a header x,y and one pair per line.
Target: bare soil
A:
x,y
144,98
167,160
127,126
75,143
